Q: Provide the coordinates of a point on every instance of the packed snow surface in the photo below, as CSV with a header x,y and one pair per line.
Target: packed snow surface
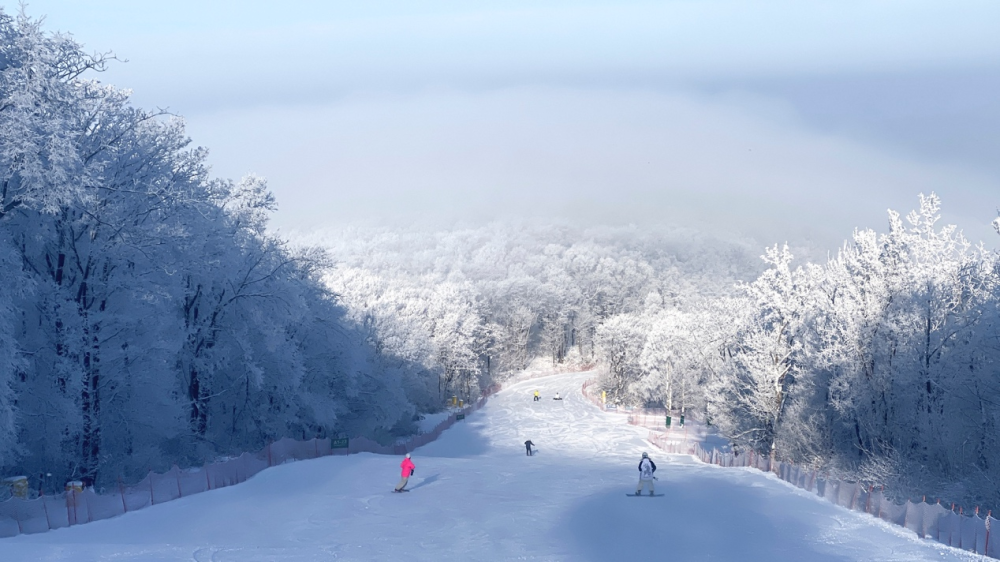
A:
x,y
477,496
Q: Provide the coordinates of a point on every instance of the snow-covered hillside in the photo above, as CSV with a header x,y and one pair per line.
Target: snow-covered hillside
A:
x,y
477,496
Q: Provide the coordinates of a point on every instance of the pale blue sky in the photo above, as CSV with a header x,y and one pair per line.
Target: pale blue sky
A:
x,y
596,111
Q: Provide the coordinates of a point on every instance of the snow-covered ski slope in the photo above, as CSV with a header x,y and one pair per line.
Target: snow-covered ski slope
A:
x,y
477,496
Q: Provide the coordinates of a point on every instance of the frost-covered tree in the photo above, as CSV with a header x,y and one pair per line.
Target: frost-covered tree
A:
x,y
11,362
494,298
764,359
880,364
148,317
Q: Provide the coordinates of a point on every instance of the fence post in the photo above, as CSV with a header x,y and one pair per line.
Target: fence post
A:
x,y
45,508
121,491
986,548
975,545
17,517
882,493
961,514
76,507
951,531
152,500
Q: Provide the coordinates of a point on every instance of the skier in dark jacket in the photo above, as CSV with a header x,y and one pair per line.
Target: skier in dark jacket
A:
x,y
646,469
528,445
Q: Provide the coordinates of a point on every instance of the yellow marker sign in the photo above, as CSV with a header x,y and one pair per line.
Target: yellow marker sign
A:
x,y
18,486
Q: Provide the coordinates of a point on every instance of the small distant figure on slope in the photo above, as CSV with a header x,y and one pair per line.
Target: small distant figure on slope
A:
x,y
556,397
408,469
528,445
537,396
646,469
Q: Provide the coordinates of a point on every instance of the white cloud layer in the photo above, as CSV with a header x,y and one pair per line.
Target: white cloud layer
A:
x,y
734,164
199,54
785,119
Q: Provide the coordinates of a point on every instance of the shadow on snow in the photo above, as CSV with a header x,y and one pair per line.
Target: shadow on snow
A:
x,y
610,526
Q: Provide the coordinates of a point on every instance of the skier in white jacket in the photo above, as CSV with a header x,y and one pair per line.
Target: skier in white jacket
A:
x,y
646,469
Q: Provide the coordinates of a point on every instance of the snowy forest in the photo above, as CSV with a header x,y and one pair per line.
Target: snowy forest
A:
x,y
146,315
481,303
149,317
880,365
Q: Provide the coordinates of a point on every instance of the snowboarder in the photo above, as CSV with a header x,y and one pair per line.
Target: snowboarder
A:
x,y
646,469
407,468
537,396
557,397
528,445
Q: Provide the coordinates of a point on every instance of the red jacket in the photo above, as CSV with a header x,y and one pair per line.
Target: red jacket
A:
x,y
407,466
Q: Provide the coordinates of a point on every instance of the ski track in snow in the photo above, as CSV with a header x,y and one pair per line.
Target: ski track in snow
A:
x,y
477,496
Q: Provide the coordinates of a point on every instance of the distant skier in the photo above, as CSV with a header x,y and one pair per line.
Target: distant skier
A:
x,y
407,468
557,397
528,445
646,469
537,396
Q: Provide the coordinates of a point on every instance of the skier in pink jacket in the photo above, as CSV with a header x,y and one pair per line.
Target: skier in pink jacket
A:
x,y
407,468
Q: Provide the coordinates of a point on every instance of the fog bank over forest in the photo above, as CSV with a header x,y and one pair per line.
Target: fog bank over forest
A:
x,y
779,121
732,165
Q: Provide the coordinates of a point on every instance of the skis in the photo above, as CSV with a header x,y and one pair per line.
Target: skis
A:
x,y
637,495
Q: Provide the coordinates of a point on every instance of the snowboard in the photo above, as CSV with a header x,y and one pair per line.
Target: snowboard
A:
x,y
636,495
400,491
